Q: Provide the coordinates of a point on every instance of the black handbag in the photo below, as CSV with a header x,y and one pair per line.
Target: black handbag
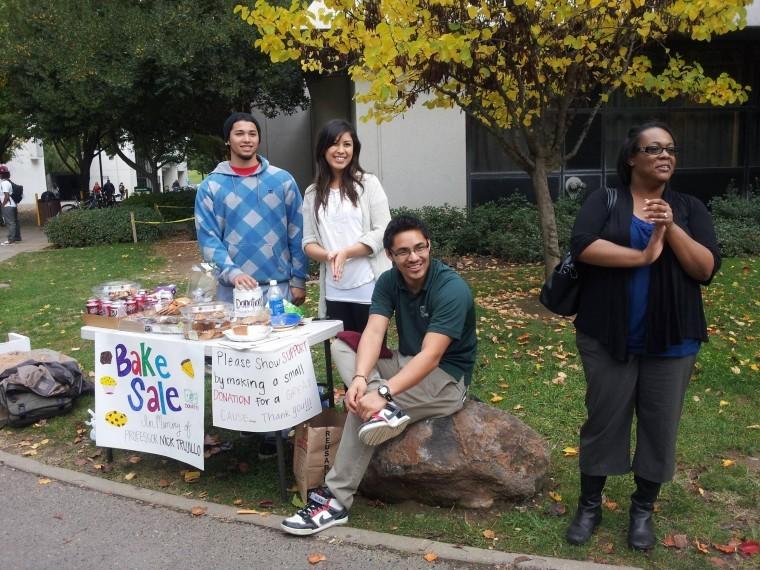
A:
x,y
562,289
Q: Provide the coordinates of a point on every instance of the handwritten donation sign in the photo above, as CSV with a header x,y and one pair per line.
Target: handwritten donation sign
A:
x,y
149,396
264,390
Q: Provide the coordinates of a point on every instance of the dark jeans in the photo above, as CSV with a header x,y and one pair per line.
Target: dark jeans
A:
x,y
353,315
652,387
10,215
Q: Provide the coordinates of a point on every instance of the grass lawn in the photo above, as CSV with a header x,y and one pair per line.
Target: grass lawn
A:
x,y
527,365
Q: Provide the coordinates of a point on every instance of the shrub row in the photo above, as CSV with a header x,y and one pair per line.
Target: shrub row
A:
x,y
80,228
508,229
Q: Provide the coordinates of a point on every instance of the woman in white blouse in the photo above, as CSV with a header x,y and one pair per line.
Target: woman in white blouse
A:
x,y
345,213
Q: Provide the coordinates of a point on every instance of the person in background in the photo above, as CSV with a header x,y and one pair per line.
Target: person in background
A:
x,y
96,189
345,214
175,186
639,327
9,207
109,191
122,190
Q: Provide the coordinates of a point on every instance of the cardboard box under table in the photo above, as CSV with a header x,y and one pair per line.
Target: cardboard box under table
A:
x,y
315,332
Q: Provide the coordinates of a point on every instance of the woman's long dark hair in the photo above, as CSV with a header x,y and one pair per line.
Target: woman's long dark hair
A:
x,y
350,176
630,147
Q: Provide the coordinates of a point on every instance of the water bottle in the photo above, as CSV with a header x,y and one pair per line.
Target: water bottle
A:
x,y
276,306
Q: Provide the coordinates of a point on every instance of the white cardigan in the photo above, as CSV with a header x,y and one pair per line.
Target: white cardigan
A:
x,y
375,216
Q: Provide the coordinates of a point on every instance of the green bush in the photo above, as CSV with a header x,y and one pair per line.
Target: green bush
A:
x,y
444,223
81,228
172,205
737,224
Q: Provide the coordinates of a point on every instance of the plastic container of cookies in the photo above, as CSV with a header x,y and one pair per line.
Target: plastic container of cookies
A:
x,y
205,321
117,289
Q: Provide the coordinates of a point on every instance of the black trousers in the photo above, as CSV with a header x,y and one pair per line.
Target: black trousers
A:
x,y
653,388
353,315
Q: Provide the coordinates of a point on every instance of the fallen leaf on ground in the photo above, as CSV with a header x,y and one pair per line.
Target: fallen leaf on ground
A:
x,y
44,481
749,547
248,512
266,504
701,546
237,502
675,541
316,558
130,476
488,533
430,556
610,505
554,496
29,453
518,407
163,483
243,467
134,459
44,442
496,398
557,509
608,548
570,452
725,548
198,511
191,476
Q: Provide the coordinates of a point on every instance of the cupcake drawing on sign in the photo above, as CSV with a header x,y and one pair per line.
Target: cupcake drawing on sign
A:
x,y
108,384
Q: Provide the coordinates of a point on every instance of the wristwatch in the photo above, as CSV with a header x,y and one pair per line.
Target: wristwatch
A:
x,y
385,393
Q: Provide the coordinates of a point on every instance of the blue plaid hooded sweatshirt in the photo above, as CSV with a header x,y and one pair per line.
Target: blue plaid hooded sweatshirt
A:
x,y
252,224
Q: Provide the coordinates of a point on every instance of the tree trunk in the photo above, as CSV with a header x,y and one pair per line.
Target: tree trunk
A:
x,y
546,216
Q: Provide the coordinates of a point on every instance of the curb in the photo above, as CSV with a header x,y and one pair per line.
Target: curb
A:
x,y
358,537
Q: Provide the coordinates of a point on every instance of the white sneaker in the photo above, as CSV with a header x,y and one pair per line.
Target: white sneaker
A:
x,y
321,512
383,425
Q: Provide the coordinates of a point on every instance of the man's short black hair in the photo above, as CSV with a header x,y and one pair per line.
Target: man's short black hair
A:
x,y
234,118
403,223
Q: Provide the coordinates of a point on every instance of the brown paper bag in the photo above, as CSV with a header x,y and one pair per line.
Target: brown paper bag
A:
x,y
316,445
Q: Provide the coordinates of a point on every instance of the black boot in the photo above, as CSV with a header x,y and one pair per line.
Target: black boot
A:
x,y
640,529
589,513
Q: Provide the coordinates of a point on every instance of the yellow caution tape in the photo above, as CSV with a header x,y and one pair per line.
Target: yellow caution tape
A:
x,y
167,222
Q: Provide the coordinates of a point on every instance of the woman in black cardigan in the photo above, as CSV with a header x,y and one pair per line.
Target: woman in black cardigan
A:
x,y
639,326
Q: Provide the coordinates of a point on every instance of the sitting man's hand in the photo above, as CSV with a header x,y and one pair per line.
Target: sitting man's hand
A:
x,y
369,404
298,295
355,393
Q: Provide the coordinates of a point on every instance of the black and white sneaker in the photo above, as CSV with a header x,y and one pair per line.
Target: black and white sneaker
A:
x,y
383,425
321,512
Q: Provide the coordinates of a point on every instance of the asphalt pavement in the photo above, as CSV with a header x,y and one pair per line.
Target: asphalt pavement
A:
x,y
53,517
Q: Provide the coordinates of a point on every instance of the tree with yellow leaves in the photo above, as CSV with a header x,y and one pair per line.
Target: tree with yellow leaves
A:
x,y
519,67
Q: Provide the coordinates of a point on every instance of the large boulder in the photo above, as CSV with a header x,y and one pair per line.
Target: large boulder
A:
x,y
476,457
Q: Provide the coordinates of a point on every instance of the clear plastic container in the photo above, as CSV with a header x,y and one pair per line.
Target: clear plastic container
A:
x,y
275,299
117,289
204,321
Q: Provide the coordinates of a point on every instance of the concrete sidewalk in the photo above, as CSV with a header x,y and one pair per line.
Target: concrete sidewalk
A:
x,y
352,536
32,236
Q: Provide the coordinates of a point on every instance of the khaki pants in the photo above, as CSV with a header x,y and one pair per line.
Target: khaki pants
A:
x,y
438,395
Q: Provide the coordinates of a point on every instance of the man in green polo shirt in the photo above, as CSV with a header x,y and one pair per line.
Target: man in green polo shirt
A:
x,y
426,377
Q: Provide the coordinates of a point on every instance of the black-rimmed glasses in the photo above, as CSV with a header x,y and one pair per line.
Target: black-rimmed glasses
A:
x,y
656,149
405,252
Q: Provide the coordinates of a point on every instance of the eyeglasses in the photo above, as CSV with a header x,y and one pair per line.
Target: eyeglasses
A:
x,y
656,149
405,252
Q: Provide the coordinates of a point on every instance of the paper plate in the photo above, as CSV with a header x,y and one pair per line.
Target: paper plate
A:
x,y
260,334
285,321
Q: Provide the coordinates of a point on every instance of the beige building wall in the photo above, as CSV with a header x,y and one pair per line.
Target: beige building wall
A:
x,y
419,156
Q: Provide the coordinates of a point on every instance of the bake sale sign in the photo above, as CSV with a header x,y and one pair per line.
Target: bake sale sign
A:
x,y
149,396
